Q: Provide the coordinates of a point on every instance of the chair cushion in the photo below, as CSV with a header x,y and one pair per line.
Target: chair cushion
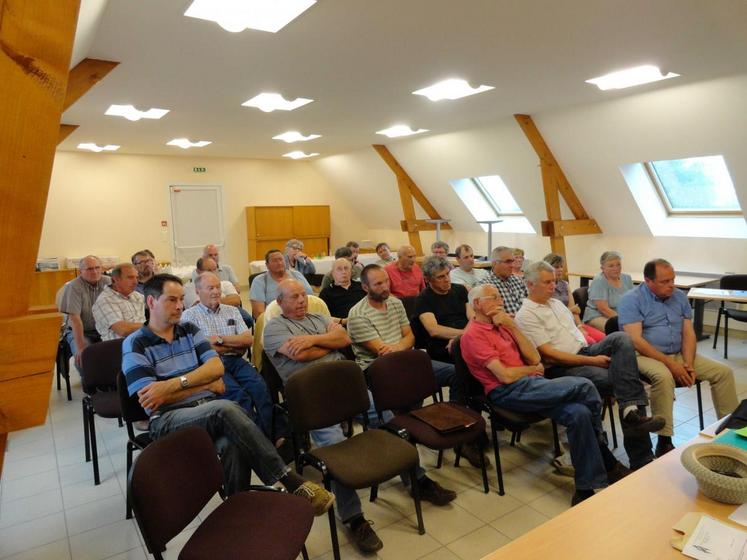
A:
x,y
736,314
511,418
106,404
421,432
368,458
266,525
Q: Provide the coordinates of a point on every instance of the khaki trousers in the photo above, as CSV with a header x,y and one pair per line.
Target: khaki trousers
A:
x,y
719,377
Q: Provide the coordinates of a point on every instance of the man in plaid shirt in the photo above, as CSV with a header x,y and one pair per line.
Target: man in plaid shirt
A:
x,y
512,288
119,310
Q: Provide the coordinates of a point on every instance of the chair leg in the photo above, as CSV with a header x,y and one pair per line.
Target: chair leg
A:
x,y
416,499
458,455
556,439
726,336
94,448
718,324
518,437
497,457
86,435
700,399
128,507
612,424
374,493
67,383
304,553
440,459
119,419
332,523
513,438
483,467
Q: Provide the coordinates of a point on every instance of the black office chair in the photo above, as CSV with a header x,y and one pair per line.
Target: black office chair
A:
x,y
581,297
131,412
62,363
730,282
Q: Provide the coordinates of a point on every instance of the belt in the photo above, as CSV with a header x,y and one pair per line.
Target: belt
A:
x,y
190,404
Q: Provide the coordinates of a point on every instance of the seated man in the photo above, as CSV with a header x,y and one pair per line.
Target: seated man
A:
x,y
343,253
229,295
441,309
466,273
405,277
609,364
119,310
512,288
224,271
176,375
145,263
77,302
229,336
379,325
658,318
344,293
355,250
296,259
296,339
508,366
385,254
440,249
264,288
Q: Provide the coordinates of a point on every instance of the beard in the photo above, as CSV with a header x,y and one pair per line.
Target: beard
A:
x,y
379,297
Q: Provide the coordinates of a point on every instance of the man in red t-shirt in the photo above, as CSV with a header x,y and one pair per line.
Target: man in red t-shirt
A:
x,y
405,277
509,368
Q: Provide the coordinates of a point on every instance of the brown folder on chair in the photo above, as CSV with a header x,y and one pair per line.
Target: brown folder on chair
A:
x,y
444,418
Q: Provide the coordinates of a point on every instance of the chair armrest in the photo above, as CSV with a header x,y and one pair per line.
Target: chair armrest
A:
x,y
313,461
396,430
265,488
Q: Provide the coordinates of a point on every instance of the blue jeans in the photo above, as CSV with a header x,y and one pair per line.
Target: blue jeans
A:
x,y
620,379
240,443
246,386
91,338
571,402
446,376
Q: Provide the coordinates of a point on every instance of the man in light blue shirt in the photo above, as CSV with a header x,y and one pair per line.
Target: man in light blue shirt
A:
x,y
658,318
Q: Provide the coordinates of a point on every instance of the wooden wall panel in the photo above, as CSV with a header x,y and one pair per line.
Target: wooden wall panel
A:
x,y
274,222
270,227
311,221
45,284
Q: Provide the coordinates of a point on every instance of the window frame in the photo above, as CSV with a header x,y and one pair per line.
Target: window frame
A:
x,y
492,202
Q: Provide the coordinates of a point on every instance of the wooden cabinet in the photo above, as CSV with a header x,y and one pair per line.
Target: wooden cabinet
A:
x,y
270,227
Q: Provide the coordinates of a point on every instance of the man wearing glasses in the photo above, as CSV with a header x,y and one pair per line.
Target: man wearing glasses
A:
x,y
512,288
145,263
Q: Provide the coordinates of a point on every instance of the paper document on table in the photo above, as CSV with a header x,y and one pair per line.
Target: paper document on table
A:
x,y
739,515
712,540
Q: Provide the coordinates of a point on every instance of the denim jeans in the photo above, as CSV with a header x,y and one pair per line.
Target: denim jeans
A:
x,y
572,402
241,444
620,379
91,338
246,386
446,376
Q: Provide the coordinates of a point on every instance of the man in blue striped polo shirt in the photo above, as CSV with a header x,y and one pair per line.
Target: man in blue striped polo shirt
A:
x,y
176,375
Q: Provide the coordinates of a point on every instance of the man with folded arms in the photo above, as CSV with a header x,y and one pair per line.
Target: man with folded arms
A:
x,y
658,318
177,375
119,310
610,364
505,361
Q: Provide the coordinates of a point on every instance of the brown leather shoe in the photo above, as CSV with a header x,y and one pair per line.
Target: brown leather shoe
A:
x,y
431,491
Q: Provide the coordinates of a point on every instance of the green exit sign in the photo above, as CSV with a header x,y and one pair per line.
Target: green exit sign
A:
x,y
199,169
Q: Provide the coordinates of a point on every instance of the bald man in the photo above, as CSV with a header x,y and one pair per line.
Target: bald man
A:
x,y
405,277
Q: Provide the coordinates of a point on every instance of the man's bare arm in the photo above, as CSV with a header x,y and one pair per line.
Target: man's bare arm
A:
x,y
124,328
231,299
508,375
435,330
552,355
258,307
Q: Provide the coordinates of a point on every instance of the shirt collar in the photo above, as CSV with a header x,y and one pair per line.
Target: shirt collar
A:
x,y
206,309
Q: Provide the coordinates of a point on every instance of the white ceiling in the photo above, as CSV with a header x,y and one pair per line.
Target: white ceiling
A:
x,y
360,59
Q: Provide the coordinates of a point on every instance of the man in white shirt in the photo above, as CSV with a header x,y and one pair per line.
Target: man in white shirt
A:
x,y
609,364
119,310
229,295
223,271
466,274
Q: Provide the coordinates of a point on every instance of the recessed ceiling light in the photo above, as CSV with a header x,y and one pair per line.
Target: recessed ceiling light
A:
x,y
295,136
630,77
269,102
450,89
184,143
238,15
96,148
131,114
298,154
400,130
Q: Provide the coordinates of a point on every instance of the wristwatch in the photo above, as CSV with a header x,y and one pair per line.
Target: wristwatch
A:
x,y
219,340
184,382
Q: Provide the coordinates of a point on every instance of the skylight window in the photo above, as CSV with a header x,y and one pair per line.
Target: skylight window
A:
x,y
237,15
451,89
269,102
185,143
298,154
630,77
96,148
130,113
488,199
697,185
400,130
295,136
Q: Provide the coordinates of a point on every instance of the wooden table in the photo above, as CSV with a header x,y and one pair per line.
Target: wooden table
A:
x,y
630,520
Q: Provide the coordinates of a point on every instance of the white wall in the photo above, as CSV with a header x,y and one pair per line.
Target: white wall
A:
x,y
113,204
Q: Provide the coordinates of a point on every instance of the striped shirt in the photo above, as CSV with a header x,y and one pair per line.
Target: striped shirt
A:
x,y
224,321
112,307
513,290
366,323
146,357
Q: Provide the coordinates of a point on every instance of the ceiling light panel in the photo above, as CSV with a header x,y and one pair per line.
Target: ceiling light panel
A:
x,y
295,136
298,154
185,143
96,148
451,89
132,114
269,102
630,77
400,130
237,15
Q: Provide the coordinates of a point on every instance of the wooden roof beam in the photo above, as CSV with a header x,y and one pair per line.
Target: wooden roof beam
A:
x,y
86,74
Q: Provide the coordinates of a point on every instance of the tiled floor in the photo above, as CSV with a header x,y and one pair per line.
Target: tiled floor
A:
x,y
51,510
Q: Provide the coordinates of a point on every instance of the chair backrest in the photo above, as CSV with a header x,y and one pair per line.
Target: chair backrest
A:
x,y
325,394
314,279
581,297
253,276
272,378
612,325
131,409
409,303
474,387
401,380
733,282
100,365
170,483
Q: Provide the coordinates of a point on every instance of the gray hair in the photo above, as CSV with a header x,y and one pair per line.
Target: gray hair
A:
x,y
463,247
440,245
554,259
201,277
498,250
532,272
294,244
609,256
433,265
477,292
